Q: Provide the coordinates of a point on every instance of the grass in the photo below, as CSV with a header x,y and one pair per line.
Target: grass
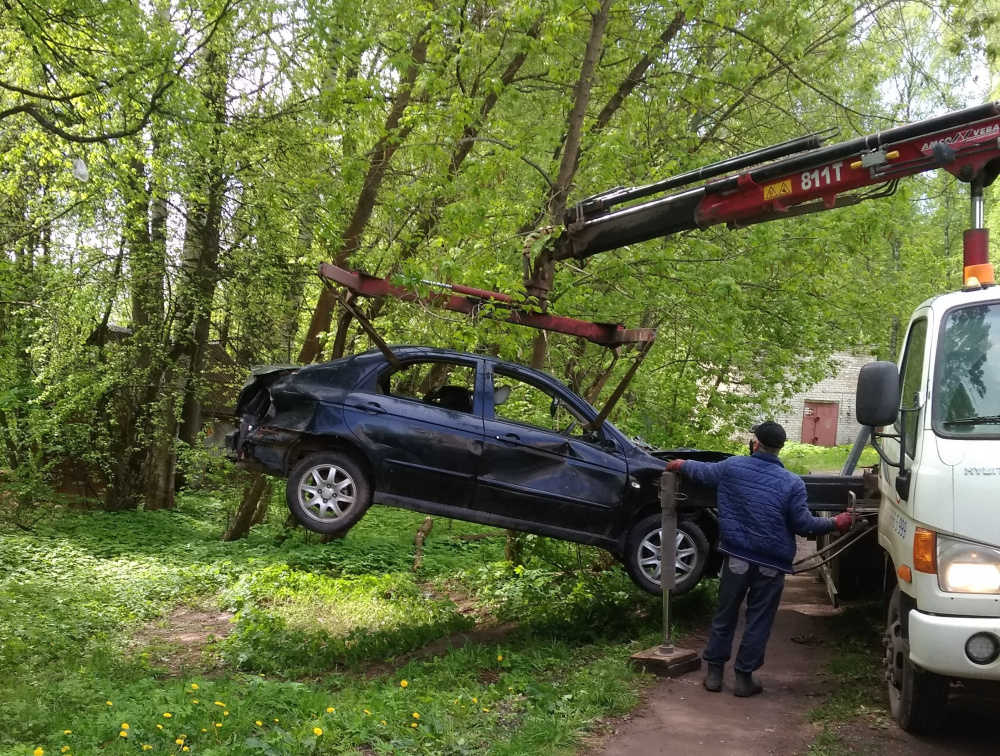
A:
x,y
854,673
323,638
806,458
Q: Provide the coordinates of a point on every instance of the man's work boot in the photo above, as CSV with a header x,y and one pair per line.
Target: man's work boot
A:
x,y
747,685
713,678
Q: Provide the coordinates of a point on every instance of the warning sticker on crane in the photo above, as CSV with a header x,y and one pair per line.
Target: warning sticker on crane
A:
x,y
780,189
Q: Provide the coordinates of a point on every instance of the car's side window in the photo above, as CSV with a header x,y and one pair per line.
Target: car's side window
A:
x,y
519,402
449,385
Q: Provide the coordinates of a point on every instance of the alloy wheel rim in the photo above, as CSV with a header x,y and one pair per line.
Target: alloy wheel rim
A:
x,y
327,493
648,555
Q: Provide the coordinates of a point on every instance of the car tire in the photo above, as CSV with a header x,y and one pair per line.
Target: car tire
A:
x,y
328,492
918,699
642,555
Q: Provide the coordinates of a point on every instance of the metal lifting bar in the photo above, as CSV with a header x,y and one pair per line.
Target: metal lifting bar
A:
x,y
490,304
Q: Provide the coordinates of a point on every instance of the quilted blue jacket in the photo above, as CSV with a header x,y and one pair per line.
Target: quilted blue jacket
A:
x,y
762,507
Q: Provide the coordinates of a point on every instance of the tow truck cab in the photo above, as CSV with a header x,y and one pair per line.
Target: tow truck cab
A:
x,y
939,483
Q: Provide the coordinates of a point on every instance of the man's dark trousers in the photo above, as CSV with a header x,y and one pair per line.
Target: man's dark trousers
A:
x,y
763,594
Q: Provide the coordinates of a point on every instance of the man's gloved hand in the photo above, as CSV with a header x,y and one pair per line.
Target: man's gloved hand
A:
x,y
675,465
844,521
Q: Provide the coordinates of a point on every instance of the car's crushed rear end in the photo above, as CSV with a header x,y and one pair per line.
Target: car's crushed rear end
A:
x,y
255,408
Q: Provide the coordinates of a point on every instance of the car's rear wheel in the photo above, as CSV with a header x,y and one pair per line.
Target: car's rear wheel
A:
x,y
642,555
328,492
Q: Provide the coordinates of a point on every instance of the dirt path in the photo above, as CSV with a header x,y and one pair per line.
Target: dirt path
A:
x,y
681,717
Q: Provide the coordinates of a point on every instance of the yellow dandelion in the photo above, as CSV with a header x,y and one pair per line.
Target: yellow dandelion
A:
x,y
110,703
218,724
124,725
123,734
330,710
147,747
317,731
368,712
499,657
416,715
159,727
403,683
485,709
194,686
276,719
475,700
219,703
204,729
64,749
179,741
38,751
259,723
225,713
383,721
413,724
167,714
194,700
67,732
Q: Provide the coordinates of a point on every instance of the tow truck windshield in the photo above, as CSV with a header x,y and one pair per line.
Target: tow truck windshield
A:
x,y
967,393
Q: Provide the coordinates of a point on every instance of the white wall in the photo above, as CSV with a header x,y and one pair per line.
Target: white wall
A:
x,y
840,389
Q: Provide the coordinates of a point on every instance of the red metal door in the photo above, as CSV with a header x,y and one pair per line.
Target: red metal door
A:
x,y
819,423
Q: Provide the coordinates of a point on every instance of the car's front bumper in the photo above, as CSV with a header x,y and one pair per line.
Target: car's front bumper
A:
x,y
937,644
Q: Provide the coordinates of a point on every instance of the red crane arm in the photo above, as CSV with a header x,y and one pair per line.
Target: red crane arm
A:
x,y
805,178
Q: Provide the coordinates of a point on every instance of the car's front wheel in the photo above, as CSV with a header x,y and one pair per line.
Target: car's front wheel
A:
x,y
642,555
328,492
917,698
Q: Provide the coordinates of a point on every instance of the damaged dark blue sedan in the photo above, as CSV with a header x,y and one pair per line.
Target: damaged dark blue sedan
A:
x,y
463,436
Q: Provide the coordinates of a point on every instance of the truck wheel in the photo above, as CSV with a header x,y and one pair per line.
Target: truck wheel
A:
x,y
917,698
642,555
327,492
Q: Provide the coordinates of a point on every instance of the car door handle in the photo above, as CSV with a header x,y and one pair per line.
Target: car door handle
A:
x,y
510,438
372,408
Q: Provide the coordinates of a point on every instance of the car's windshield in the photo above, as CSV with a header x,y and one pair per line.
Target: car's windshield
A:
x,y
967,385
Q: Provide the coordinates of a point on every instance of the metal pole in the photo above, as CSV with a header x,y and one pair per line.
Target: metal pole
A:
x,y
668,552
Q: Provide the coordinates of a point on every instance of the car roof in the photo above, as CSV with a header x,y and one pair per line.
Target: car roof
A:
x,y
412,351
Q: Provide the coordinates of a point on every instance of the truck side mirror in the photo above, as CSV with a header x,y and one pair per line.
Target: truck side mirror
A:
x,y
877,399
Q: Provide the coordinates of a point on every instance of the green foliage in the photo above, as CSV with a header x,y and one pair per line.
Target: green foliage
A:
x,y
85,594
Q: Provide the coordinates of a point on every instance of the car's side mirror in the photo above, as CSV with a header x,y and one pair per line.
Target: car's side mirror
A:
x,y
877,399
876,403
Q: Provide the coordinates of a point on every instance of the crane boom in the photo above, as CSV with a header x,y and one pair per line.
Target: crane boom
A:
x,y
966,143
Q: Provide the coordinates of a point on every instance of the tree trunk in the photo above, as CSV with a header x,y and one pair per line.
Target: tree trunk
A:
x,y
195,285
539,285
393,136
246,514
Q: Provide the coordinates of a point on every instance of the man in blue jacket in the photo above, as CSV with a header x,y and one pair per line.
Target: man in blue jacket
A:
x,y
762,507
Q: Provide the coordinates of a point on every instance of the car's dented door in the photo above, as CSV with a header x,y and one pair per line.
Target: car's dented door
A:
x,y
420,451
538,475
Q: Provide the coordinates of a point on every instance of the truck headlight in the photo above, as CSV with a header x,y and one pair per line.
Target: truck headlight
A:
x,y
965,567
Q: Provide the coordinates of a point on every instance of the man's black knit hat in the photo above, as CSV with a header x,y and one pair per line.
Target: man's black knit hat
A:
x,y
770,434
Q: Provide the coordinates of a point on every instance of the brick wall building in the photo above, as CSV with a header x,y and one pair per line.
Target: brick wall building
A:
x,y
824,414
